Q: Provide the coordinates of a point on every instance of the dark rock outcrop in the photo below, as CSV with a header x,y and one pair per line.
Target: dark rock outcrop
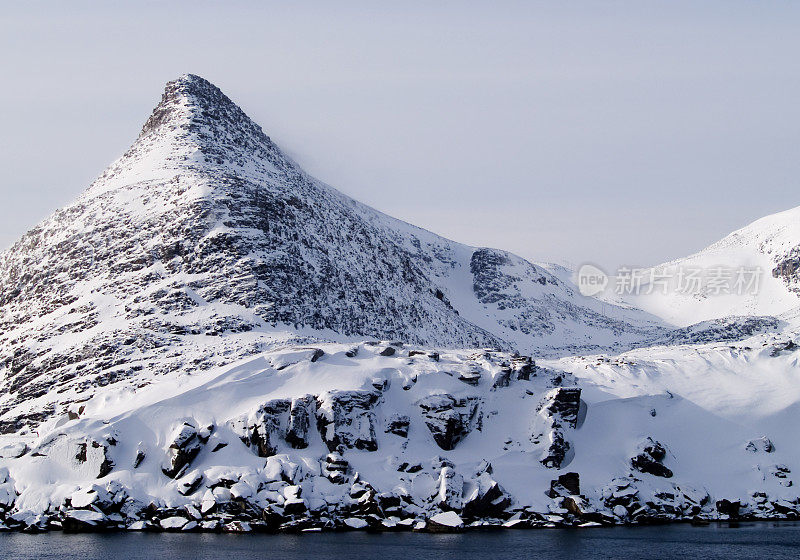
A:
x,y
484,497
560,410
567,484
335,468
182,450
96,454
263,430
557,450
84,521
346,419
451,488
650,459
523,367
563,405
760,445
297,433
398,425
449,419
730,508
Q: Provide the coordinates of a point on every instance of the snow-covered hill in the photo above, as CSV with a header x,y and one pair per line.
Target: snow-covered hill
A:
x,y
763,257
391,437
204,243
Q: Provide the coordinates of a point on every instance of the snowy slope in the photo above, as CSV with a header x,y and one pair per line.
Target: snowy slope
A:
x,y
388,436
717,395
204,243
770,245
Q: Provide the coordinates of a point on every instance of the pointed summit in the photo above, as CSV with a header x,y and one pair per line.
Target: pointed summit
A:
x,y
195,128
194,102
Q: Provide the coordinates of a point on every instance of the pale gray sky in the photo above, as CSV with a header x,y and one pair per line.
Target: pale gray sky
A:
x,y
614,132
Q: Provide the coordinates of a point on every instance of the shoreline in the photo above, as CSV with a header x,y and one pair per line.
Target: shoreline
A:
x,y
303,526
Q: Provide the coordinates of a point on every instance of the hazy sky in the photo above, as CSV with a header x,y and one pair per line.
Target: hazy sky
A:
x,y
613,132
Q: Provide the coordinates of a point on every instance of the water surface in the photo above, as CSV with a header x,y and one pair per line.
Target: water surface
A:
x,y
680,542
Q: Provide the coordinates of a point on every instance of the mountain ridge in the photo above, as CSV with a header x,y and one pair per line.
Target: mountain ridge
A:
x,y
204,243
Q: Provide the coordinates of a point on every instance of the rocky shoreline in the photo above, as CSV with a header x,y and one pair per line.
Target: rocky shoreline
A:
x,y
184,521
233,507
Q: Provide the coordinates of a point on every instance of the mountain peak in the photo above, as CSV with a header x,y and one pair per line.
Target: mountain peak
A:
x,y
192,100
196,127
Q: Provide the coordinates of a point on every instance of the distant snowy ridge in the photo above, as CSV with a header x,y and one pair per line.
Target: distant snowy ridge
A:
x,y
770,245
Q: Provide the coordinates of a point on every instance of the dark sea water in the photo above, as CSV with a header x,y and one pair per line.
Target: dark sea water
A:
x,y
684,542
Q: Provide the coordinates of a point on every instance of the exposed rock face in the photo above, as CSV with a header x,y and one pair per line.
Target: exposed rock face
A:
x,y
781,347
346,419
398,425
336,468
728,329
787,268
559,411
484,497
190,483
631,504
297,433
778,472
760,445
265,428
141,455
729,508
8,494
274,422
650,459
581,508
523,367
185,446
502,378
567,484
500,281
558,448
563,405
84,521
449,419
451,488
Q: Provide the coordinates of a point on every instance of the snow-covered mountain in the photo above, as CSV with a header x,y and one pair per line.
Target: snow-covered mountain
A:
x,y
763,257
204,243
210,339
